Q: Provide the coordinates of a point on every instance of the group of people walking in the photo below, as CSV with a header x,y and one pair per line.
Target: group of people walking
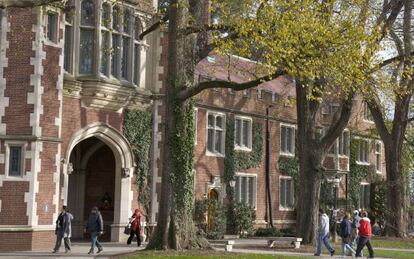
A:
x,y
355,230
94,227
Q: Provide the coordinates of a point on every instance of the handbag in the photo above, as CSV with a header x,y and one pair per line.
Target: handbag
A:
x,y
127,229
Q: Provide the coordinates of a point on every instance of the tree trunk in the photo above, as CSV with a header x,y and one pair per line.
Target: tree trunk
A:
x,y
396,191
308,203
175,227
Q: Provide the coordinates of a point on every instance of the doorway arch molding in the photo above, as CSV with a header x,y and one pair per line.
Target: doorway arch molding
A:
x,y
124,159
110,136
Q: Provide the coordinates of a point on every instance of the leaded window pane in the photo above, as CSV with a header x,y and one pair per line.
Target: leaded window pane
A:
x,y
246,133
86,50
15,160
116,18
125,56
238,132
87,13
137,64
106,15
105,52
68,49
116,47
210,140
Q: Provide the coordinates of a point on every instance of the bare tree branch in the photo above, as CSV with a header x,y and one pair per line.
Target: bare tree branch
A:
x,y
339,122
154,26
25,3
192,91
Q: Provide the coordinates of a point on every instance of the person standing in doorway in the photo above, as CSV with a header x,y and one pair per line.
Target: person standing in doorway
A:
x,y
323,234
346,230
63,230
135,228
94,226
365,233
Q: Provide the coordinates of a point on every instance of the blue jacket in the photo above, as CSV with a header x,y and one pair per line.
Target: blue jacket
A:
x,y
346,228
94,223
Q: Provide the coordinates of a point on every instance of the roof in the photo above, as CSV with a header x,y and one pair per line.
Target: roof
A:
x,y
239,70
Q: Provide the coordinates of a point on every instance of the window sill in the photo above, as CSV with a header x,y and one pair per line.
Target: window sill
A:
x,y
239,148
362,163
286,209
212,154
287,154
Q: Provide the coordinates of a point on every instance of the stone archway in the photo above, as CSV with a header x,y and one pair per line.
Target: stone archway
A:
x,y
123,171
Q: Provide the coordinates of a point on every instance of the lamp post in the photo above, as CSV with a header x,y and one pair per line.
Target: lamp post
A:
x,y
336,182
268,192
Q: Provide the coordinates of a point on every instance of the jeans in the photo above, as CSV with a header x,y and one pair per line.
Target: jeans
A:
x,y
361,243
345,246
95,242
66,241
325,240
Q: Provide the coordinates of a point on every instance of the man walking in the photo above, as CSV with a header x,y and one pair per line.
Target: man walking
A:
x,y
365,233
63,230
94,226
323,234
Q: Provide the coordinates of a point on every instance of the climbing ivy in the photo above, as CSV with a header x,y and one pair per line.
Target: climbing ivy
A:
x,y
290,166
357,173
138,131
245,160
236,160
181,147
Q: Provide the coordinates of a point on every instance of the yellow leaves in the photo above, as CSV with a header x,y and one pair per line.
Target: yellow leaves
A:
x,y
306,38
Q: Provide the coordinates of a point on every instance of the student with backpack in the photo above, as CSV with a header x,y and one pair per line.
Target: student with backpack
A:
x,y
346,231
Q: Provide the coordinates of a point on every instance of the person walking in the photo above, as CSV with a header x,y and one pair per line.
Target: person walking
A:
x,y
63,230
355,224
135,228
323,234
94,226
346,231
365,234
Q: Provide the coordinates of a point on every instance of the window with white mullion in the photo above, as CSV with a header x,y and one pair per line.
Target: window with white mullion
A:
x,y
215,133
378,162
287,140
87,37
362,151
243,132
344,143
286,193
245,189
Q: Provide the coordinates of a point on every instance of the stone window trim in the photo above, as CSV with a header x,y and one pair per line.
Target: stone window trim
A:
x,y
358,161
242,146
378,156
23,146
366,114
364,195
281,207
195,124
254,192
73,70
52,30
293,143
223,133
338,148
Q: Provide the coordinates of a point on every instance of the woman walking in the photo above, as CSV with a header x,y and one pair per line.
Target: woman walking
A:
x,y
135,228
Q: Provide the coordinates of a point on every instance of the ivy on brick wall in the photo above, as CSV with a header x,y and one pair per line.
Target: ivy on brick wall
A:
x,y
236,160
290,166
138,131
357,173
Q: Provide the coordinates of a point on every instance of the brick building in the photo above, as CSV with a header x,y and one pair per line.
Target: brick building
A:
x,y
62,102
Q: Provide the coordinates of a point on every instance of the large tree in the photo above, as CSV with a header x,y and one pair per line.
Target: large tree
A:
x,y
390,94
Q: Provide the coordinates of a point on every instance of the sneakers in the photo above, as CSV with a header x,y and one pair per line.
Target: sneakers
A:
x,y
316,255
67,251
333,252
54,251
100,249
90,252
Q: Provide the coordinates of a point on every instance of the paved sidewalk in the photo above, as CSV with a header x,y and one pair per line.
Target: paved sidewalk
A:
x,y
79,250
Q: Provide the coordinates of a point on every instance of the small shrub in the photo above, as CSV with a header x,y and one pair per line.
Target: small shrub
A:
x,y
216,228
244,215
267,232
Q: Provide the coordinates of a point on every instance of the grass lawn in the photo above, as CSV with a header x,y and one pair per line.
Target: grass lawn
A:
x,y
393,243
209,254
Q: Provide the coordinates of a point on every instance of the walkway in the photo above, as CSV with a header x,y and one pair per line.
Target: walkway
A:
x,y
79,250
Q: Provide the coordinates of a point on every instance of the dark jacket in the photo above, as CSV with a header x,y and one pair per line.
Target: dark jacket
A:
x,y
346,228
94,223
64,224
